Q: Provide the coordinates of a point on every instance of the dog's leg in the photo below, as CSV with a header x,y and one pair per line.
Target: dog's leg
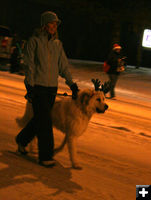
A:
x,y
58,149
72,152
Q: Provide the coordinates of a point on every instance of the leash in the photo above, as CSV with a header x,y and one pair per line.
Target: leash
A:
x,y
64,94
58,94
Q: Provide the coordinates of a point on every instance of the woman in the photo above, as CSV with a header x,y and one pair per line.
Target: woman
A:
x,y
45,59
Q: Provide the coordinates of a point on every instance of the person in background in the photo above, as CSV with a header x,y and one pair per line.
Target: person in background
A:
x,y
45,59
114,61
16,59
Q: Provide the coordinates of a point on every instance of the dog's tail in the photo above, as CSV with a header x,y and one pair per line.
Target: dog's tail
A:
x,y
58,149
22,121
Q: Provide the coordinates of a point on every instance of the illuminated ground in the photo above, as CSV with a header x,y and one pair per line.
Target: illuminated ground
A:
x,y
114,151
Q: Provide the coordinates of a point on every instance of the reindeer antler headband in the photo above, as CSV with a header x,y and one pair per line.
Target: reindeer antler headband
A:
x,y
104,87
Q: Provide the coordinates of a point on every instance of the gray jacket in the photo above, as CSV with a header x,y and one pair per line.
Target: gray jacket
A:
x,y
44,61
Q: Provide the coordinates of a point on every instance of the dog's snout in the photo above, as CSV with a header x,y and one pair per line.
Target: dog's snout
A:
x,y
106,106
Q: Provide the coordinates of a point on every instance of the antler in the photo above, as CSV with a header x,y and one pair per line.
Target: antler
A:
x,y
96,83
104,87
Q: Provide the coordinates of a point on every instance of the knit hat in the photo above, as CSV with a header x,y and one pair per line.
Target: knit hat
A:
x,y
116,46
48,17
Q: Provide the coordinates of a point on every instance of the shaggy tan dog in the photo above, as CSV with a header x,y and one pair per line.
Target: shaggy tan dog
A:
x,y
72,117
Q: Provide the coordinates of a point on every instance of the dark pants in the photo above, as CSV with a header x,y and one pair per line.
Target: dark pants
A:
x,y
41,124
113,78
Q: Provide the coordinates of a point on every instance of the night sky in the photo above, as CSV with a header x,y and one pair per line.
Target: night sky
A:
x,y
89,27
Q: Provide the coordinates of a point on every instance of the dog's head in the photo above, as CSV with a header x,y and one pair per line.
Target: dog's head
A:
x,y
92,101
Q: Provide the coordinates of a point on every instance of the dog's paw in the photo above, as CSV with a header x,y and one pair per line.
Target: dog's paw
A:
x,y
76,166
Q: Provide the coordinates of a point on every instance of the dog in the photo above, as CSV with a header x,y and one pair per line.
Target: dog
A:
x,y
72,117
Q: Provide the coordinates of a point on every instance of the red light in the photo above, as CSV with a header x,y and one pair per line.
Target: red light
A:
x,y
4,42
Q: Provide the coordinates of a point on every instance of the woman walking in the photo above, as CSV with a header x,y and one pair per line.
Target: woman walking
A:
x,y
45,60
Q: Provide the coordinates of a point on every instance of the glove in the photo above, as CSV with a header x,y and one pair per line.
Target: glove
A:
x,y
29,94
75,90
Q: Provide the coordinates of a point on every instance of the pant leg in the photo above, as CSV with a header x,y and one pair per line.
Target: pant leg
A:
x,y
42,109
27,133
113,78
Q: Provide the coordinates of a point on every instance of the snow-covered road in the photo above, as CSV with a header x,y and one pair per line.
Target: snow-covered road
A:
x,y
114,151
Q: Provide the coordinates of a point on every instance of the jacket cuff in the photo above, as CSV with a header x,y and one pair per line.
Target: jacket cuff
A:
x,y
69,82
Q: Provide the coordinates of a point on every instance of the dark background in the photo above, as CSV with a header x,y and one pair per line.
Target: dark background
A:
x,y
89,27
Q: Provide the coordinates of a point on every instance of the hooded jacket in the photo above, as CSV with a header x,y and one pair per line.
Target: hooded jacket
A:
x,y
45,60
113,61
